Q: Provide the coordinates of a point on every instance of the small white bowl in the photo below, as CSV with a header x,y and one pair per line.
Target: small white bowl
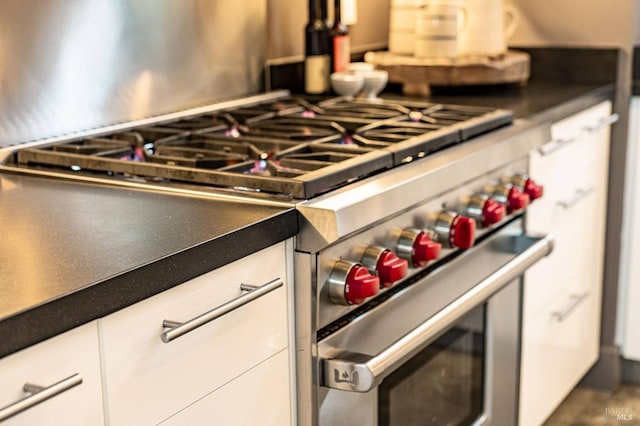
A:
x,y
347,84
374,82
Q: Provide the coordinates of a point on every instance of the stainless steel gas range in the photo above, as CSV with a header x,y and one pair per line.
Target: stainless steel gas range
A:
x,y
410,250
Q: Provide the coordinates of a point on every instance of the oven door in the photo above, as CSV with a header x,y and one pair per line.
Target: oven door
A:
x,y
443,351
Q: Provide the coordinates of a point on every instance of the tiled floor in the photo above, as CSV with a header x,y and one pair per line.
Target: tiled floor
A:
x,y
587,407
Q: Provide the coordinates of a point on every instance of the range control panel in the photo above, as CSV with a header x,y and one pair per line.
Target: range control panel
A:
x,y
361,267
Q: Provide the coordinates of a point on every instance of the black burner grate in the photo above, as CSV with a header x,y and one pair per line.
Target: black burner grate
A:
x,y
289,146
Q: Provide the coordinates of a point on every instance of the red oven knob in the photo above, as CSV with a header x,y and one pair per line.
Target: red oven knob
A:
x,y
351,283
525,184
454,230
485,210
417,247
510,196
389,267
534,190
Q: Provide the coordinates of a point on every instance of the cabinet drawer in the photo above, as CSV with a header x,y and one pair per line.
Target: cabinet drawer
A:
x,y
258,397
573,126
75,352
148,380
578,237
559,345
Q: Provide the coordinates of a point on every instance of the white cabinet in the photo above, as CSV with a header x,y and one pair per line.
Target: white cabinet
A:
x,y
258,397
148,380
628,321
562,295
72,358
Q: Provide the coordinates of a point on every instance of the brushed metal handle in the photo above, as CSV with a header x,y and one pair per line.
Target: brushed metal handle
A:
x,y
364,372
39,394
603,122
576,299
579,195
176,329
555,145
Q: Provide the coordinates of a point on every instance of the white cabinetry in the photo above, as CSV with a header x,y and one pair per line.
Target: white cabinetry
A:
x,y
258,397
562,295
628,324
148,381
74,356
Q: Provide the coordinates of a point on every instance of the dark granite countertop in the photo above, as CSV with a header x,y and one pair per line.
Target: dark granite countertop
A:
x,y
544,100
73,252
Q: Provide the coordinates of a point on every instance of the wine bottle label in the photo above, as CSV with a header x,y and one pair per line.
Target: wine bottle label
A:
x,y
341,53
316,73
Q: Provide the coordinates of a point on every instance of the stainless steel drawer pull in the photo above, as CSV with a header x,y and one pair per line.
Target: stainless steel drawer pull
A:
x,y
604,122
38,394
579,195
576,299
357,372
176,329
555,145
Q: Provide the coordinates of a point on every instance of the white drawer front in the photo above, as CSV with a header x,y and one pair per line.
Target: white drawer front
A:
x,y
148,380
576,247
258,397
559,346
49,362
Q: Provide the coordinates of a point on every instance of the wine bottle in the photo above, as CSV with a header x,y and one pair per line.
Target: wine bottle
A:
x,y
317,61
340,46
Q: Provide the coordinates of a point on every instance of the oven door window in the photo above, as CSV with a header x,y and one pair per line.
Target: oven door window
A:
x,y
443,384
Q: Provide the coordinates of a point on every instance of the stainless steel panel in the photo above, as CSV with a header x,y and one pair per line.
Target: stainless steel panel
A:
x,y
502,366
324,220
387,233
69,65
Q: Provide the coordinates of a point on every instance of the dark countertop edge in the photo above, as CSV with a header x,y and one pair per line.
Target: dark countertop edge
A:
x,y
576,104
635,72
103,298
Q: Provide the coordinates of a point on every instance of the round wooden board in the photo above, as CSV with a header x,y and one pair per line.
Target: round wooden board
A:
x,y
417,74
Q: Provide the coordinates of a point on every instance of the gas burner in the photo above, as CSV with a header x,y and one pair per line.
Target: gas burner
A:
x,y
366,110
289,146
407,140
295,128
468,120
268,110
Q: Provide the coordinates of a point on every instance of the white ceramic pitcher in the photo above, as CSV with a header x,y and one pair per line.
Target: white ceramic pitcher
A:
x,y
489,25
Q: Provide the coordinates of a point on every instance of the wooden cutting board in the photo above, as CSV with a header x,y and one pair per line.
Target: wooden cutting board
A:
x,y
417,75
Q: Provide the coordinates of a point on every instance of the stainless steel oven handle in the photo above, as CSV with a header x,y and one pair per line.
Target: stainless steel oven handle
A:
x,y
176,329
358,372
39,394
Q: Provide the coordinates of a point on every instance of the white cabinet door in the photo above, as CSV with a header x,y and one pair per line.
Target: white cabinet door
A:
x,y
148,380
258,397
72,355
562,296
628,321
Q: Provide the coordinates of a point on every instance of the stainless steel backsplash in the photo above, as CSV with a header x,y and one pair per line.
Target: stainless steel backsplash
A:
x,y
73,65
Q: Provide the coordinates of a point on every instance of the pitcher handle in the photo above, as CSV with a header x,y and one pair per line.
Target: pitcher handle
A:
x,y
463,19
512,19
